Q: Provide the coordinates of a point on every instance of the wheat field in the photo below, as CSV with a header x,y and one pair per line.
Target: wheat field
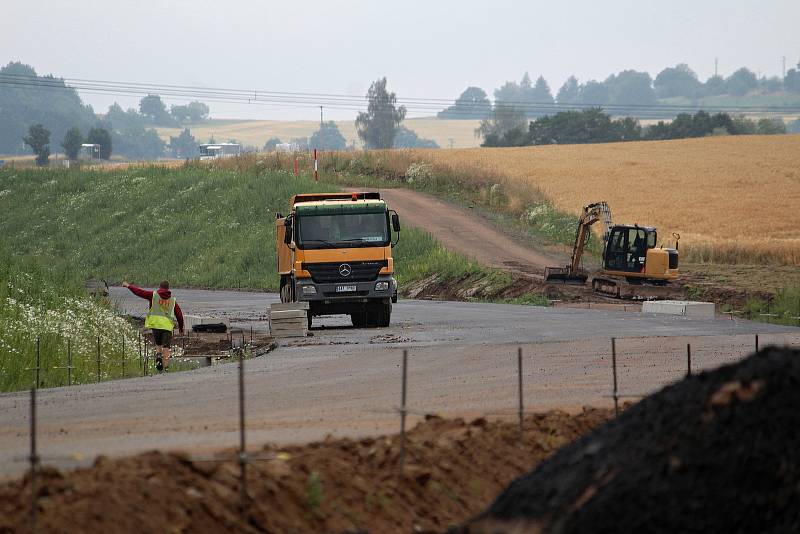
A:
x,y
732,199
256,133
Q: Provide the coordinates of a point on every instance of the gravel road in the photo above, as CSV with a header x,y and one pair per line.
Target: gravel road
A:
x,y
344,381
459,230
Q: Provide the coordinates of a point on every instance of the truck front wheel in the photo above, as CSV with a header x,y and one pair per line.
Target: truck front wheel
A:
x,y
359,319
286,289
380,315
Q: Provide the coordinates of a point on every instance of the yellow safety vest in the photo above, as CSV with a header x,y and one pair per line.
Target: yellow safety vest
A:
x,y
161,314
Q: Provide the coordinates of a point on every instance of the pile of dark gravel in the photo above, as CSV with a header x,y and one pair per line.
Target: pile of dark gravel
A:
x,y
717,452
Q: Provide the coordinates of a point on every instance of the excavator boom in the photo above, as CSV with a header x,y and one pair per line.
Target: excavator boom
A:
x,y
572,274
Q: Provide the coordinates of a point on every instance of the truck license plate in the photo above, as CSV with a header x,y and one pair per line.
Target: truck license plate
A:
x,y
345,289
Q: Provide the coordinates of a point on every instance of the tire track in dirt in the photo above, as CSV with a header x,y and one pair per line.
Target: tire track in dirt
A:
x,y
462,231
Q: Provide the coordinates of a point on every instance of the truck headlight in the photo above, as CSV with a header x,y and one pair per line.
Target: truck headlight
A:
x,y
309,290
381,286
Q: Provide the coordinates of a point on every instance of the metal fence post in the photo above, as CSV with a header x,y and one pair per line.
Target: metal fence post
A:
x,y
38,361
242,452
34,459
403,411
98,358
521,407
69,361
614,370
688,360
145,370
123,355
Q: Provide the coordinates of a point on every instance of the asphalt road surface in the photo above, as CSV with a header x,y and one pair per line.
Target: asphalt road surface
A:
x,y
346,381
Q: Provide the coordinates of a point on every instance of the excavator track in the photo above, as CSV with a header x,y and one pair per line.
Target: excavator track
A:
x,y
620,288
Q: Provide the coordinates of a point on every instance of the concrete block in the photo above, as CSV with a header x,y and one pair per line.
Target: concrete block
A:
x,y
298,321
281,306
701,310
288,319
276,315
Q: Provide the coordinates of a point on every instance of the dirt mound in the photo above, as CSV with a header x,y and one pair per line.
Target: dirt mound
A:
x,y
718,452
453,469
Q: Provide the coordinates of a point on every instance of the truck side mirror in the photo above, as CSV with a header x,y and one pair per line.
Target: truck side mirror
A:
x,y
395,222
287,234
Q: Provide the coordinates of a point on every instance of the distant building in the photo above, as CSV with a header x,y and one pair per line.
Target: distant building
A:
x,y
89,151
219,150
287,147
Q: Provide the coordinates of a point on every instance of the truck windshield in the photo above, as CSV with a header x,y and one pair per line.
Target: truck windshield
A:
x,y
342,230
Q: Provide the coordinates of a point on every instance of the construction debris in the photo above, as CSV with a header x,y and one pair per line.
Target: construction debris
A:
x,y
204,323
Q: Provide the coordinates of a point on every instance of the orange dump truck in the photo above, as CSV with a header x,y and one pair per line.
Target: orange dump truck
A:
x,y
335,252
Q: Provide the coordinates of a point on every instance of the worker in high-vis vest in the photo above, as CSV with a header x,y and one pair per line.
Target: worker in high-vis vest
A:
x,y
162,316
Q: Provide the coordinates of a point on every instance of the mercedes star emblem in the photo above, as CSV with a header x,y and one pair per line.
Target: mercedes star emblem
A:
x,y
345,270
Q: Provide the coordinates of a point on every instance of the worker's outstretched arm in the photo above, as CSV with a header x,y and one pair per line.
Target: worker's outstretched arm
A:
x,y
142,293
179,317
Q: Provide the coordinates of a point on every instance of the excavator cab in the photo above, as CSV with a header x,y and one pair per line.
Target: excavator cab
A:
x,y
627,246
631,252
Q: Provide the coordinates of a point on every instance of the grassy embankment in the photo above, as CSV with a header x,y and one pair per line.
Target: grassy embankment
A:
x,y
37,301
762,272
198,226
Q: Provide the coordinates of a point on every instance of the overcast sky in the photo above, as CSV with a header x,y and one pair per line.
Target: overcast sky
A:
x,y
427,49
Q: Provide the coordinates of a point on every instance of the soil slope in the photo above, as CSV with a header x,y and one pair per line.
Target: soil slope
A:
x,y
718,452
452,470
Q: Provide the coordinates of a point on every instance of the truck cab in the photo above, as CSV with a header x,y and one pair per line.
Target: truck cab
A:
x,y
335,252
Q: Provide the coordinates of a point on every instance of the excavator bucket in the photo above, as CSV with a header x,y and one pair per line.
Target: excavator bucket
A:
x,y
562,274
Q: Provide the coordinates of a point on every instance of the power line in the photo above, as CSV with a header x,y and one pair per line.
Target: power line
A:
x,y
344,102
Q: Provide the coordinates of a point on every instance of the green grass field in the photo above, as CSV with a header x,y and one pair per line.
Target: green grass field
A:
x,y
198,226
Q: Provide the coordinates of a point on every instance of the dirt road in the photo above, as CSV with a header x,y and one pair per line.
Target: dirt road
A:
x,y
345,381
459,230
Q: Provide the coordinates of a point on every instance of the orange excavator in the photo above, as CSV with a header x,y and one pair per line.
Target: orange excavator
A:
x,y
630,255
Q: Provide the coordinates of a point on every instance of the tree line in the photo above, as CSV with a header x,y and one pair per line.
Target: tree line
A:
x,y
627,88
30,116
595,126
36,119
380,126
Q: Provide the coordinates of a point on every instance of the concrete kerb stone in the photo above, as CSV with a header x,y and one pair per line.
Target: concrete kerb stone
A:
x,y
680,307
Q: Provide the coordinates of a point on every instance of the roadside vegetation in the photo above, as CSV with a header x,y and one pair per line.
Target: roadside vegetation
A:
x,y
51,306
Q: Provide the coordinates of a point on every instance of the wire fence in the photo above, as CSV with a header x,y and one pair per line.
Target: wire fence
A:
x,y
113,361
243,458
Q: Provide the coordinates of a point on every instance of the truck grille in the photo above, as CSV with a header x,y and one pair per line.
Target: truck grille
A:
x,y
360,271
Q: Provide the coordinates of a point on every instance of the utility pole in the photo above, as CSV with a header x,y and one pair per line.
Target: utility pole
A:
x,y
320,116
716,67
783,70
